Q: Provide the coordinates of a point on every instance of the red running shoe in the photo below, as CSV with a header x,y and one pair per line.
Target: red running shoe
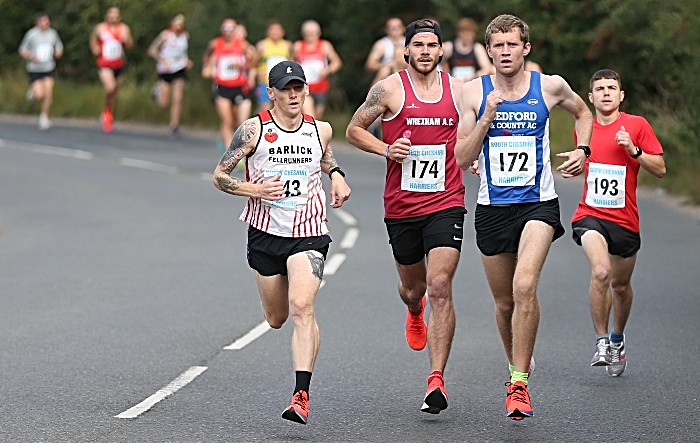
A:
x,y
107,119
518,401
436,396
416,330
298,411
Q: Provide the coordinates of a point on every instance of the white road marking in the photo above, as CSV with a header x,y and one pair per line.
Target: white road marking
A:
x,y
181,381
333,263
50,150
350,238
150,166
345,217
207,176
249,337
323,283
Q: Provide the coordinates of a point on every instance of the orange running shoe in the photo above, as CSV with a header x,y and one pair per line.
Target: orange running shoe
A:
x,y
416,330
298,411
436,396
107,119
518,401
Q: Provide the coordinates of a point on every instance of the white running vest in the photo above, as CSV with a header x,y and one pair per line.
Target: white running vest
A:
x,y
296,157
173,53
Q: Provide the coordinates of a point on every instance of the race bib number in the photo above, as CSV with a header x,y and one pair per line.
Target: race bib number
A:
x,y
606,185
463,73
272,60
312,70
423,170
112,50
295,182
44,53
513,160
227,68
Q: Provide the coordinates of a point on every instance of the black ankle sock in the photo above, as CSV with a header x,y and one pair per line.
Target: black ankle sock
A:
x,y
303,380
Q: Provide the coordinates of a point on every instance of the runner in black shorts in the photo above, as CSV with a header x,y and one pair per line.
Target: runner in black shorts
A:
x,y
169,78
236,94
287,238
498,228
412,238
268,253
621,241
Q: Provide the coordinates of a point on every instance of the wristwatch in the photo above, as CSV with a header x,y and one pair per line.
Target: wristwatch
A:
x,y
336,169
638,153
586,150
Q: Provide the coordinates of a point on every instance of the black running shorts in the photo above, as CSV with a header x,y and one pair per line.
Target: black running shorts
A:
x,y
34,76
236,95
412,238
498,228
169,77
621,241
268,253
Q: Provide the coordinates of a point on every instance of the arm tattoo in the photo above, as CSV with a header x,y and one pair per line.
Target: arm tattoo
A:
x,y
328,159
368,112
237,149
228,184
316,264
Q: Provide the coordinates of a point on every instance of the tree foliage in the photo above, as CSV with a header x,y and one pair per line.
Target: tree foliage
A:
x,y
649,42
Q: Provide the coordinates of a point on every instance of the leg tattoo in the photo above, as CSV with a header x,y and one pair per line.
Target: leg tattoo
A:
x,y
316,264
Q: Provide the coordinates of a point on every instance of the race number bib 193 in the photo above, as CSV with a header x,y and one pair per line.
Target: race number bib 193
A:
x,y
606,185
423,170
295,182
112,50
513,160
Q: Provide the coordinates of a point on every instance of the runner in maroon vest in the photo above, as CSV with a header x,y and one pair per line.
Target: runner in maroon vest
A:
x,y
424,194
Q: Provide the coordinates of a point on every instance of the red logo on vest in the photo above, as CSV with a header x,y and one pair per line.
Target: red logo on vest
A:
x,y
271,136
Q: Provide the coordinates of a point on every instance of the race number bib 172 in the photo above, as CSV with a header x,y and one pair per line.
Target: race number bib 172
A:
x,y
513,160
295,182
423,170
606,185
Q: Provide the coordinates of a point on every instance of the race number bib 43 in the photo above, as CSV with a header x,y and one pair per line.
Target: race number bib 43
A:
x,y
295,182
112,50
513,160
423,170
606,185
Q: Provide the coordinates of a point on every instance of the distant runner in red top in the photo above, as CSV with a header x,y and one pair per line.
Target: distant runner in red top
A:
x,y
108,41
319,60
606,222
424,194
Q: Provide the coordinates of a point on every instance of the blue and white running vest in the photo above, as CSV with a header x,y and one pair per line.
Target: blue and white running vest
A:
x,y
514,163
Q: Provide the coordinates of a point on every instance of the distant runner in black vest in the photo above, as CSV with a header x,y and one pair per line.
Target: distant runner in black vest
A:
x,y
464,58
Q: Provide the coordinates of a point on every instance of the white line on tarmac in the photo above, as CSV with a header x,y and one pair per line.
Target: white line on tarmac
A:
x,y
333,263
207,176
249,337
345,217
350,238
181,381
50,150
150,166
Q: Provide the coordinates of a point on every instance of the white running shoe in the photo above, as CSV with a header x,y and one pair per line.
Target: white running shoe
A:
x,y
44,122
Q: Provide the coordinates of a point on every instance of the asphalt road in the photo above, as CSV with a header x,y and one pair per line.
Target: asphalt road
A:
x,y
123,278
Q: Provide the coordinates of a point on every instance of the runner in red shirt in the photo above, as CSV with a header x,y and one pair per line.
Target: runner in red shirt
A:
x,y
319,60
424,194
108,41
606,222
227,60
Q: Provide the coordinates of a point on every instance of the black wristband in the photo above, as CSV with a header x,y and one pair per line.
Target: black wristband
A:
x,y
586,150
638,153
336,169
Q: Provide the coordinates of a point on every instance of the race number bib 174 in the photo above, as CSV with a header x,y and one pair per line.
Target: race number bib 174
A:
x,y
606,185
423,170
513,160
295,182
